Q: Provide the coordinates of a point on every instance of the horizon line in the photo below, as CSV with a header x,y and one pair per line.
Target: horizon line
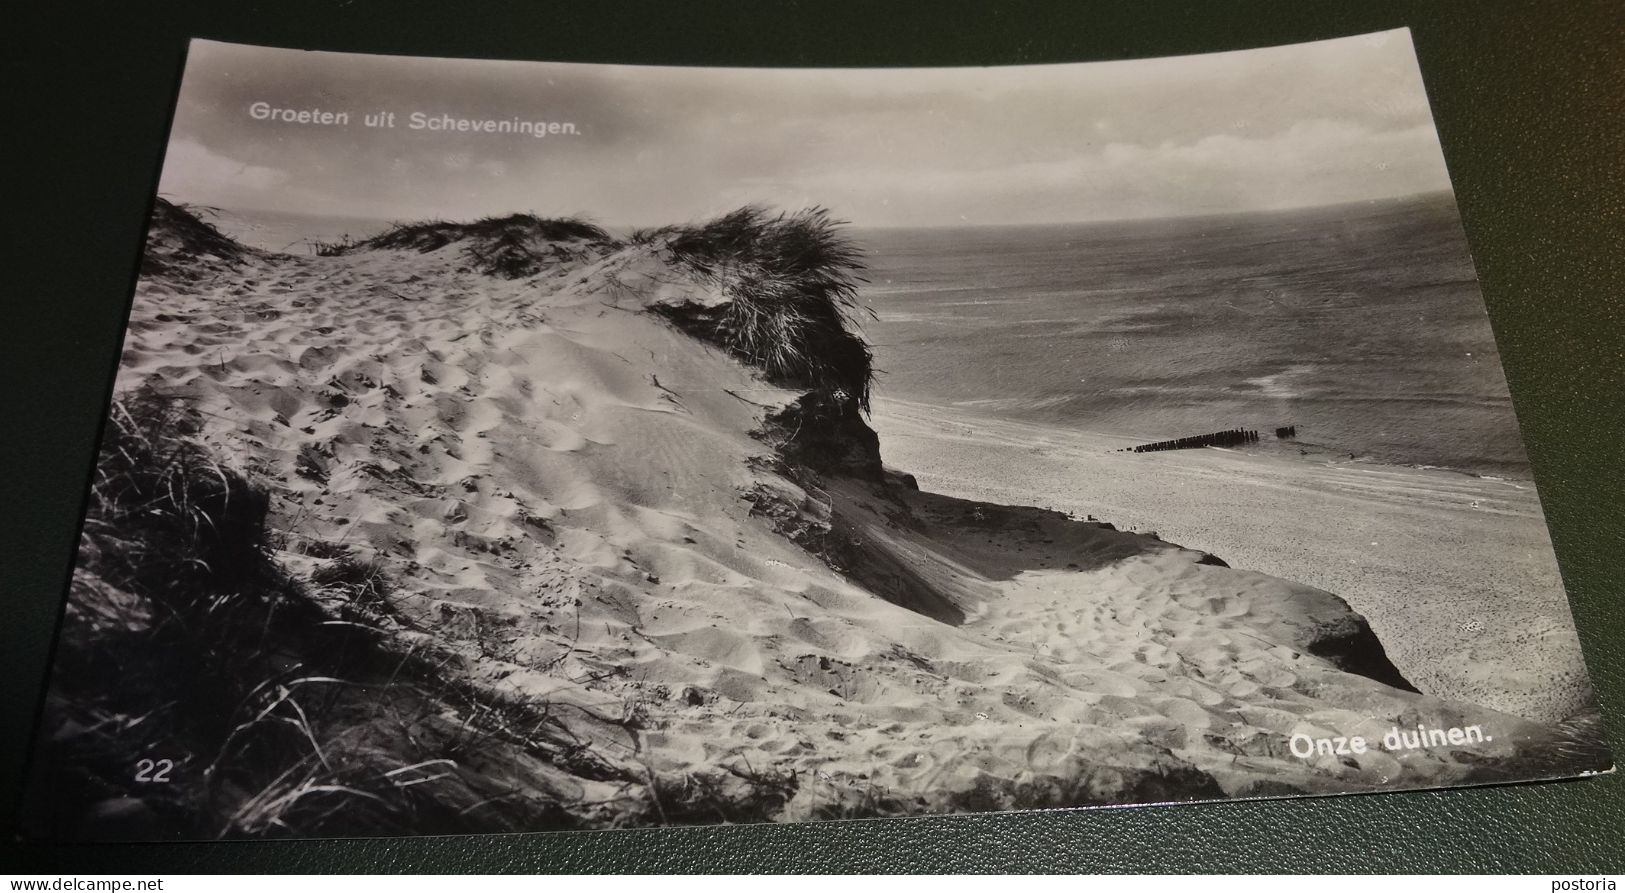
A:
x,y
393,220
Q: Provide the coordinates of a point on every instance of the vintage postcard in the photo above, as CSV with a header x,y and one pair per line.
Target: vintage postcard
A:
x,y
516,446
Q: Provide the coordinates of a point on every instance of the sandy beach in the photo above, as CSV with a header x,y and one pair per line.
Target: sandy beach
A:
x,y
1419,552
659,587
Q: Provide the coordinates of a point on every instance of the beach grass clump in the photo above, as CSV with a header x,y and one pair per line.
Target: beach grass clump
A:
x,y
162,509
171,625
512,246
791,286
200,691
432,235
334,248
651,235
181,244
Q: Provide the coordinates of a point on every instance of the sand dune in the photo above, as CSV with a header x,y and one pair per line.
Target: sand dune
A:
x,y
1455,572
577,498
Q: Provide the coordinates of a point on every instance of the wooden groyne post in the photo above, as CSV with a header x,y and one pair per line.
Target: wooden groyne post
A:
x,y
1231,438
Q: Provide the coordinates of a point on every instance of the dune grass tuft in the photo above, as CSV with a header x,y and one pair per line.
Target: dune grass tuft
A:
x,y
274,707
513,247
435,234
791,282
171,623
166,520
181,244
188,654
336,247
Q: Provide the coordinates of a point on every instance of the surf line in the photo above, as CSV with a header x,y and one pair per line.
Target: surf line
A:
x,y
1304,746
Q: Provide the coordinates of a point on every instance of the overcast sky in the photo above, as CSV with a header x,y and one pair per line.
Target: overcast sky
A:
x,y
1311,124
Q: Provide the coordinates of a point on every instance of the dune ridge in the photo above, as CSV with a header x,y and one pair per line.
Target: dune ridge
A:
x,y
701,570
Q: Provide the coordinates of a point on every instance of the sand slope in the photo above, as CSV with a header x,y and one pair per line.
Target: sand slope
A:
x,y
566,491
1455,572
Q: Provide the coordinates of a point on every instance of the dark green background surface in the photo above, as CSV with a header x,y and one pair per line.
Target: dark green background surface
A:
x,y
1529,98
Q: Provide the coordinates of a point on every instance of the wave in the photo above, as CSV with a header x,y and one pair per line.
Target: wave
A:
x,y
1364,327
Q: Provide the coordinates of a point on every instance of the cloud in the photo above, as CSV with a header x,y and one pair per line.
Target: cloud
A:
x,y
1316,162
191,168
1341,120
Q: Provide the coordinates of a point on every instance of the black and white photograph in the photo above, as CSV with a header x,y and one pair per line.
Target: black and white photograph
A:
x,y
526,446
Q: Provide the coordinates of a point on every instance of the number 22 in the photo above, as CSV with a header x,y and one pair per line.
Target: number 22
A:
x,y
153,771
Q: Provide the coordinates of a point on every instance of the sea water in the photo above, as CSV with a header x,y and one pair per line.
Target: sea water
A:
x,y
1362,325
288,232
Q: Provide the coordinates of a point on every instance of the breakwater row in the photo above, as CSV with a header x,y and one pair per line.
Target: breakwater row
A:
x,y
1230,438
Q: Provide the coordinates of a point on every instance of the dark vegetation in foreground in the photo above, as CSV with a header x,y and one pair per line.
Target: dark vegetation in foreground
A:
x,y
200,691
